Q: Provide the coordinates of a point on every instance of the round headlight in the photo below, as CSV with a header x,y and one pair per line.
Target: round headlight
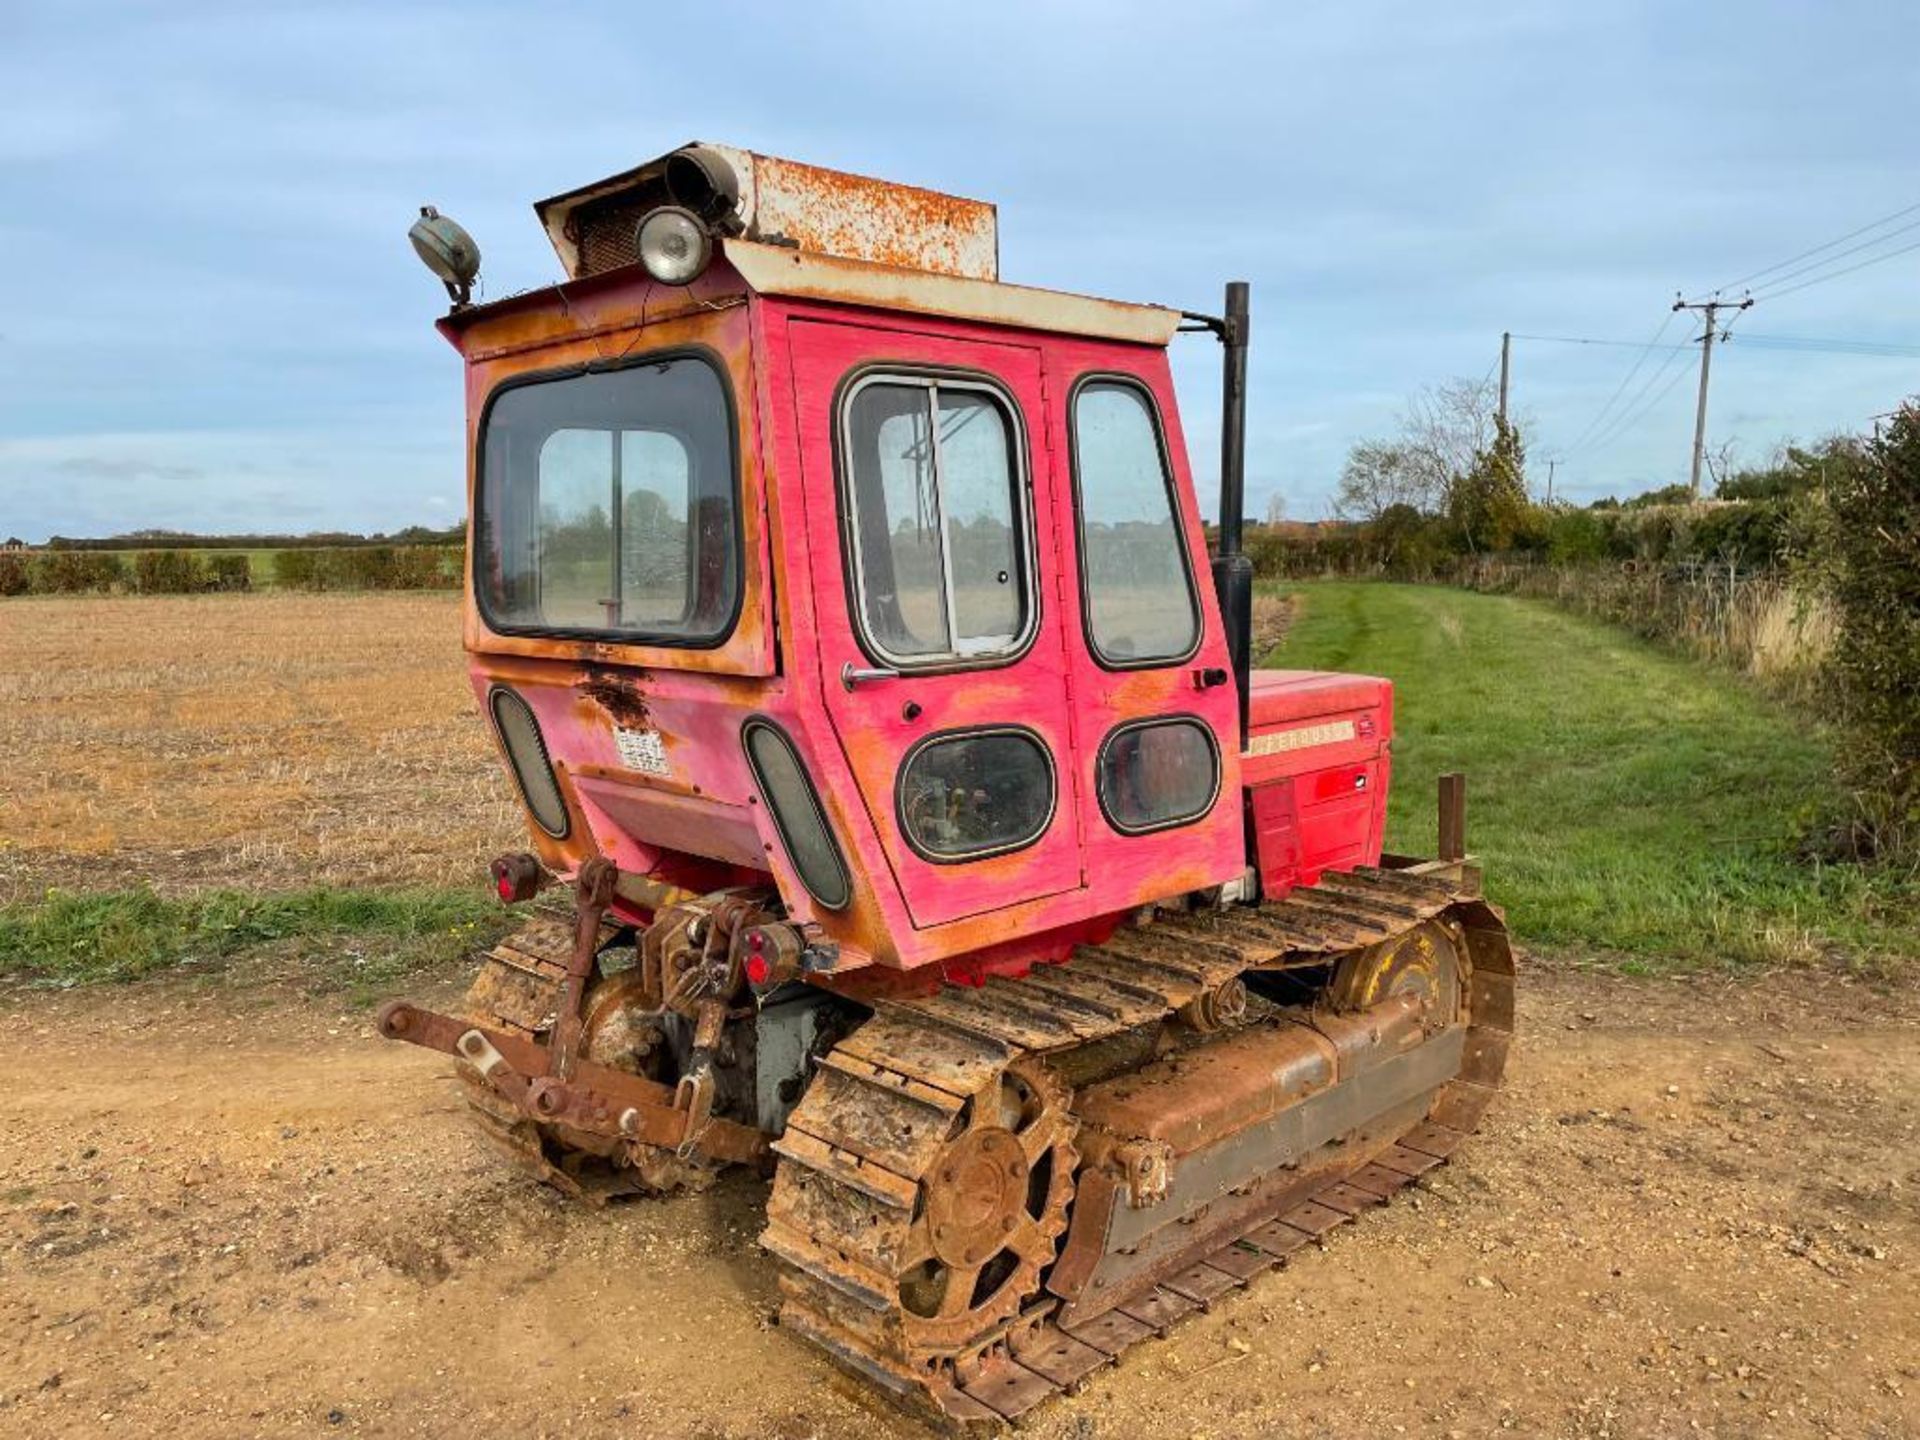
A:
x,y
673,245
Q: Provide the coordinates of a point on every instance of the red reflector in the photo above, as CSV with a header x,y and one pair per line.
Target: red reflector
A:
x,y
505,887
758,969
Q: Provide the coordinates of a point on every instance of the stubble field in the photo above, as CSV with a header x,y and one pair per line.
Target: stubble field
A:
x,y
257,742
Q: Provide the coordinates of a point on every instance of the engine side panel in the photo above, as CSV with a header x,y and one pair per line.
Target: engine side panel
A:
x,y
1317,768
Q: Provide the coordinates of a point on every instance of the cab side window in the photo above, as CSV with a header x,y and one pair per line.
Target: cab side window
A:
x,y
1140,601
933,487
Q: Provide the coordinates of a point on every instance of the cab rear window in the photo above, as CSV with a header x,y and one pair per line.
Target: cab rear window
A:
x,y
1138,588
606,505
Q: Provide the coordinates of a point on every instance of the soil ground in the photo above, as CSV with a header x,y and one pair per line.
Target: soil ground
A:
x,y
227,1210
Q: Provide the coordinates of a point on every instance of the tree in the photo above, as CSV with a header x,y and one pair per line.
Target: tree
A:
x,y
1865,555
1793,470
1447,429
1378,475
1488,505
1276,507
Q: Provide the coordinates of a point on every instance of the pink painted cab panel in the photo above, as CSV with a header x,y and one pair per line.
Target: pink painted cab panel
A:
x,y
879,722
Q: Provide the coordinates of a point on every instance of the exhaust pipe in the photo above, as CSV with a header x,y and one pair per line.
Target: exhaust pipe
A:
x,y
1232,570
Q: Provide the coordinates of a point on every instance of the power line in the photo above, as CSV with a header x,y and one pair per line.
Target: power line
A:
x,y
1617,344
1630,413
1827,260
1753,339
1635,410
1606,427
1828,347
1625,381
1836,274
1804,254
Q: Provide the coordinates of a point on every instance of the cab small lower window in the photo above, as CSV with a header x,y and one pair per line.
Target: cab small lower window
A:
x,y
981,792
796,813
1158,773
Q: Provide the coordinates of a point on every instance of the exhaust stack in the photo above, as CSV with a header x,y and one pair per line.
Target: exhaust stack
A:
x,y
1232,571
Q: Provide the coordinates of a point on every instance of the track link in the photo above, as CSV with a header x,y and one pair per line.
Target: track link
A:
x,y
860,1151
517,989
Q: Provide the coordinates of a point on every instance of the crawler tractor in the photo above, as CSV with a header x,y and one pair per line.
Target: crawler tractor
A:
x,y
845,619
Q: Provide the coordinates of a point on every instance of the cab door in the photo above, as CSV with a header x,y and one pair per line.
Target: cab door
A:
x,y
943,670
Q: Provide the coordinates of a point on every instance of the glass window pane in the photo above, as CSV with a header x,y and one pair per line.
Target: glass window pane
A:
x,y
656,478
606,505
976,794
1159,774
977,484
1140,600
575,485
796,814
897,509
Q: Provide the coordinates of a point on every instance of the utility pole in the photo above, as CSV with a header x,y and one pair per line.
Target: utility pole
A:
x,y
1506,357
1550,465
1710,309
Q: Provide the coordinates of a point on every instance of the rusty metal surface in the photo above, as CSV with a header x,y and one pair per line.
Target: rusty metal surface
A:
x,y
1203,1283
927,1180
788,203
1110,1333
592,1100
943,1210
776,270
869,1165
517,992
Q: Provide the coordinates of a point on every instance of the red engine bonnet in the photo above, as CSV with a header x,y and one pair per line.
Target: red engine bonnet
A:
x,y
1316,769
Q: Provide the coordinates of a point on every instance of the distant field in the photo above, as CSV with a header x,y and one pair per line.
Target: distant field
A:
x,y
1621,798
255,742
220,747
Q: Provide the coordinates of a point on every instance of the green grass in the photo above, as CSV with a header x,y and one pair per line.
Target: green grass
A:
x,y
358,941
1621,799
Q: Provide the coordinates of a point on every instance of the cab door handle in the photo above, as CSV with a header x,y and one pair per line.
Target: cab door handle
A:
x,y
850,676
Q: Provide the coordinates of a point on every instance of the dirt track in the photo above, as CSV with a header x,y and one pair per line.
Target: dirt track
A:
x,y
1694,1211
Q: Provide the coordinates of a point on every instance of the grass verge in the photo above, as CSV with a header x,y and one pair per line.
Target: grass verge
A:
x,y
1621,798
357,941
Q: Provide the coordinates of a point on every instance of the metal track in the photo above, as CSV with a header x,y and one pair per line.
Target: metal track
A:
x,y
848,1190
516,990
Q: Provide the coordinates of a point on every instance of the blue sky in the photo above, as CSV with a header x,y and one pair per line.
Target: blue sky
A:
x,y
210,318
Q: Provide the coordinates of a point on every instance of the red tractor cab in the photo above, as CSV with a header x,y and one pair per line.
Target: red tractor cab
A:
x,y
846,619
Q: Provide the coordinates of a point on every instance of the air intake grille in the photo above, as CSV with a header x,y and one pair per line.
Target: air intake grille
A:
x,y
604,229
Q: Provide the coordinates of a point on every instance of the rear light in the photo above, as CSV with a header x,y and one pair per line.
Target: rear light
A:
x,y
773,954
516,878
527,753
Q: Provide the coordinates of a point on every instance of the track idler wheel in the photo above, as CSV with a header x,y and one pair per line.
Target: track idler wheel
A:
x,y
990,1211
1425,961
